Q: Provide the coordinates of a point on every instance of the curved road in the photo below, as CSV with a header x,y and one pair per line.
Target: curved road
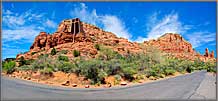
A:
x,y
181,87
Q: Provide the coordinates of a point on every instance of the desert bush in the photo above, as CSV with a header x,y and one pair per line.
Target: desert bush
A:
x,y
22,61
101,76
153,54
128,72
210,67
139,76
97,46
113,67
33,53
91,69
169,71
117,79
25,67
41,63
151,72
63,51
47,71
108,54
9,67
67,67
63,58
43,56
76,53
53,51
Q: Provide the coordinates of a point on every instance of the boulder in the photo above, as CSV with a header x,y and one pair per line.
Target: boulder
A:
x,y
74,85
66,83
87,86
123,83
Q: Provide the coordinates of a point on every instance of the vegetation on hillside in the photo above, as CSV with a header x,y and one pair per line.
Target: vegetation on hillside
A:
x,y
132,66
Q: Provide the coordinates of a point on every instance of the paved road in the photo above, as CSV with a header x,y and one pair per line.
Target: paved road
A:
x,y
181,87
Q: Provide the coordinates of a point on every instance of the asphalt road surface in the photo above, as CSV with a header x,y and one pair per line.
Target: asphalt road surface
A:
x,y
189,86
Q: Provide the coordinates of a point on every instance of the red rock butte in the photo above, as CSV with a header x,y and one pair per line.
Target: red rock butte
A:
x,y
73,34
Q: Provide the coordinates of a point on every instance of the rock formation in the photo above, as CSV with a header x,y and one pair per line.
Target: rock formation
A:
x,y
177,46
206,53
73,34
212,54
82,38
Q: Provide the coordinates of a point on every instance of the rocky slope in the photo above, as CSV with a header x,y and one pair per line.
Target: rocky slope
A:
x,y
90,35
177,46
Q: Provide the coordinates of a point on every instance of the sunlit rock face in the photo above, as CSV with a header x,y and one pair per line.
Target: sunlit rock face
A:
x,y
73,34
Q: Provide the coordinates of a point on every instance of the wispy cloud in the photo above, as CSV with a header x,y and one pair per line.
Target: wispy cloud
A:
x,y
111,23
21,29
200,38
81,11
51,23
170,23
115,25
156,27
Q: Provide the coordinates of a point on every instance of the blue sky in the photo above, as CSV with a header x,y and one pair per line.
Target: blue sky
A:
x,y
136,21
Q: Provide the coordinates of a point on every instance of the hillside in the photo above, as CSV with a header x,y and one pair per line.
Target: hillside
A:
x,y
83,37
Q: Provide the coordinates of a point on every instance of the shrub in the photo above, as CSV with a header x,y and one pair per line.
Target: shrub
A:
x,y
42,63
101,76
139,76
25,67
76,53
28,62
92,69
47,71
108,54
113,67
53,51
9,67
63,51
63,58
21,61
33,53
128,73
67,67
189,69
210,67
151,72
97,46
117,79
169,71
153,55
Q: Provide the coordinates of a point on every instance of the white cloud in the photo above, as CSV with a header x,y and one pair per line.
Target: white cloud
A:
x,y
27,33
200,38
157,27
13,20
24,25
51,23
82,12
19,29
110,23
115,25
169,24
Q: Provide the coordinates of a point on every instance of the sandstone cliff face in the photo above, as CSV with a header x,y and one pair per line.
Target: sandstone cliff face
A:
x,y
171,43
176,45
83,41
89,35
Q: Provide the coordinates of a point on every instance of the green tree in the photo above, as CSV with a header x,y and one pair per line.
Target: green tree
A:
x,y
9,67
53,51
